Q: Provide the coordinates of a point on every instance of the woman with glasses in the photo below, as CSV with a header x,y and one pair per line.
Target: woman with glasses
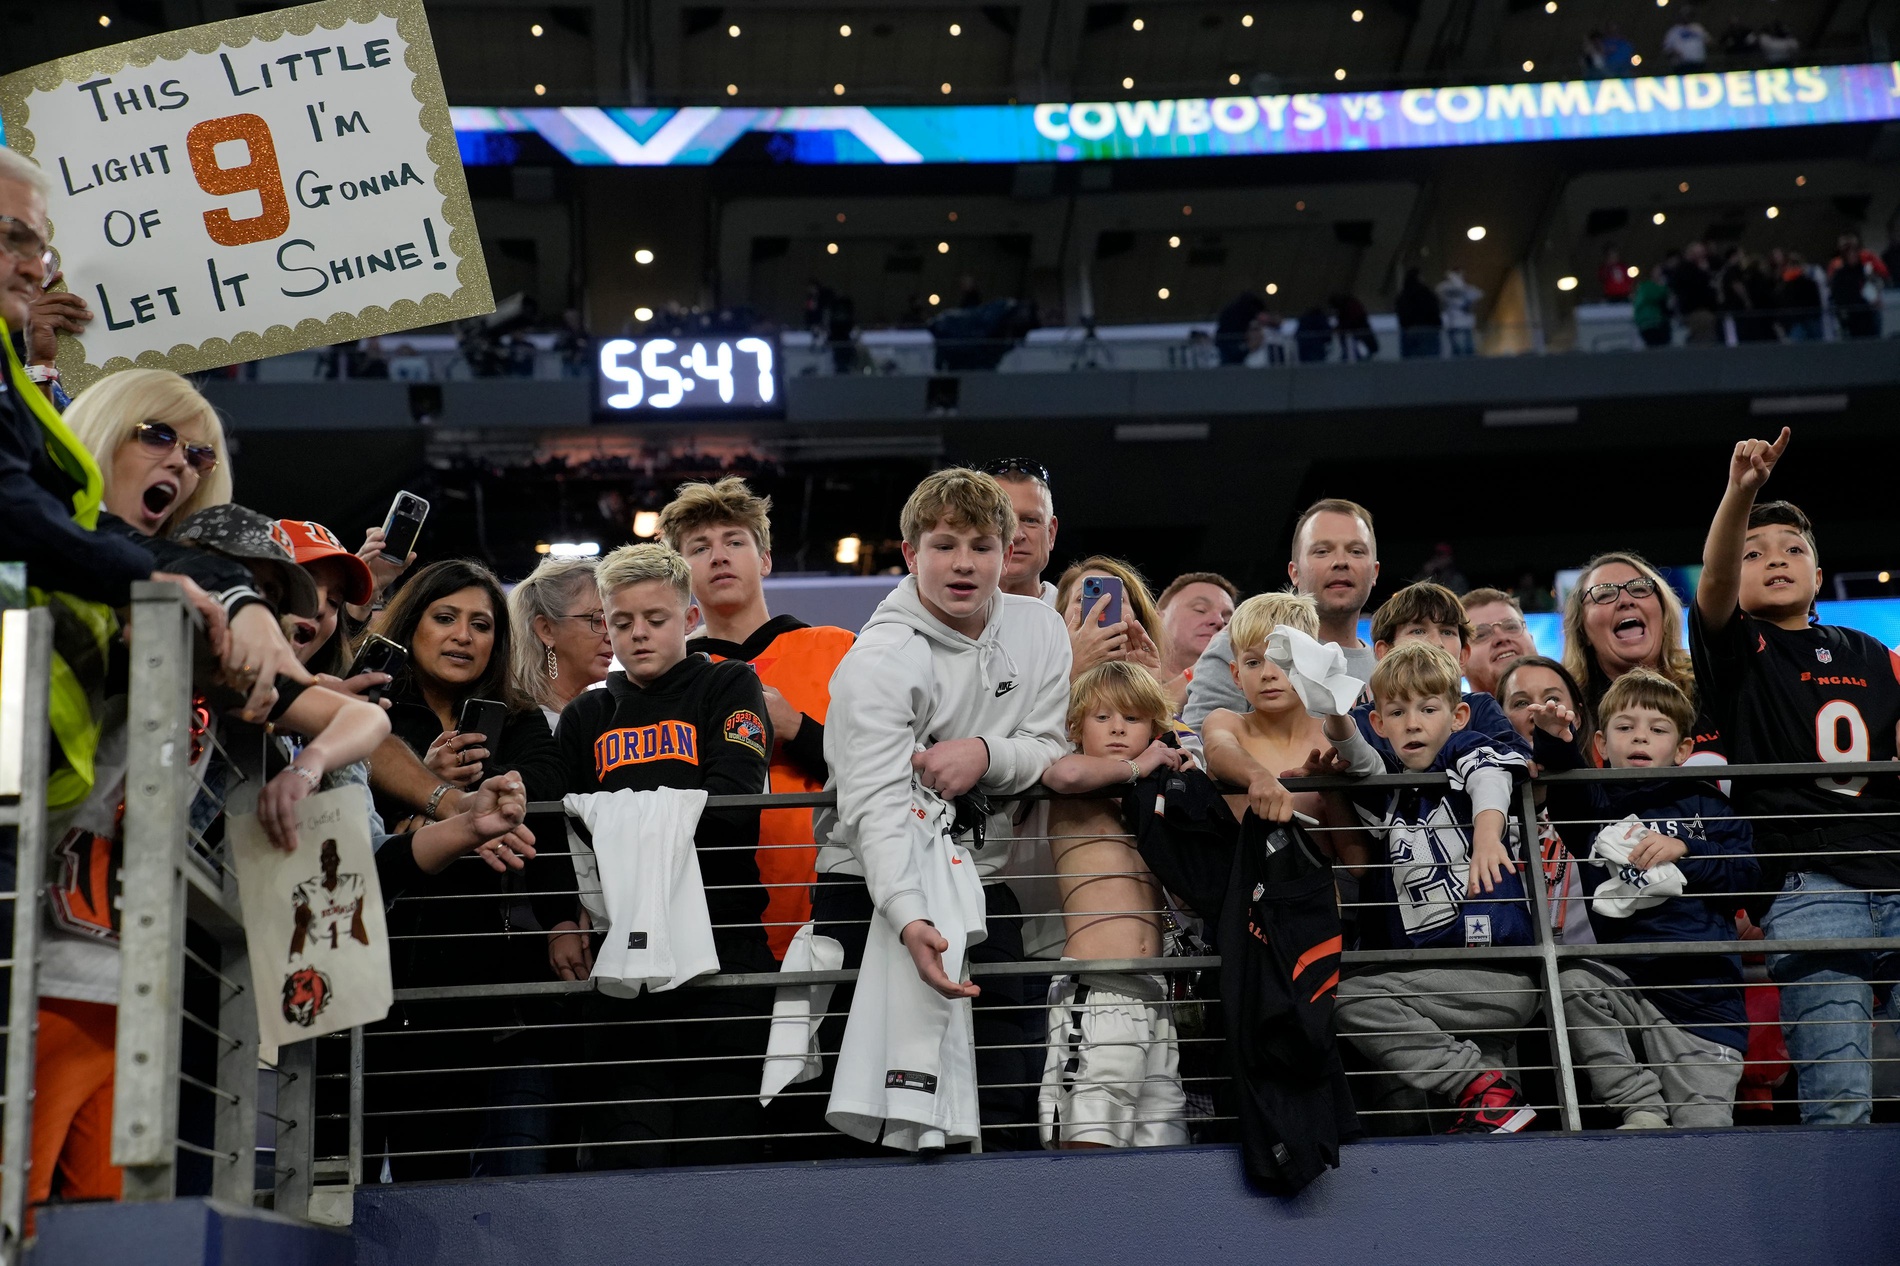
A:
x,y
1623,615
560,635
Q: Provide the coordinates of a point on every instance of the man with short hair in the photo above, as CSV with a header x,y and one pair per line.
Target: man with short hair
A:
x,y
1336,560
1498,637
725,534
1194,607
1027,484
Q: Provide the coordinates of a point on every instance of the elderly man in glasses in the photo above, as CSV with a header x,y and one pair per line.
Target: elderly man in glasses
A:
x,y
1498,637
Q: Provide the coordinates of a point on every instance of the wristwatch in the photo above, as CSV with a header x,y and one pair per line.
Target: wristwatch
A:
x,y
435,801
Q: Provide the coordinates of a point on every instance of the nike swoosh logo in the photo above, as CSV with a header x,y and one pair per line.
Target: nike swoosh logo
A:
x,y
1005,688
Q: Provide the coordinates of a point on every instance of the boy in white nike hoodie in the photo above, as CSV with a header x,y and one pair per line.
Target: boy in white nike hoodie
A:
x,y
958,686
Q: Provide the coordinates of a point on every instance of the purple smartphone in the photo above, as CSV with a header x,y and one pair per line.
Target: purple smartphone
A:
x,y
1093,587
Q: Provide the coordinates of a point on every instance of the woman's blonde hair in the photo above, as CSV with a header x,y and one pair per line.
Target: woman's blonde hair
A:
x,y
544,591
106,414
1258,615
1137,601
1581,658
1127,688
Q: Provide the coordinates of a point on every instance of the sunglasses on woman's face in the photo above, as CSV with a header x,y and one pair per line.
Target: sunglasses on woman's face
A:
x,y
164,437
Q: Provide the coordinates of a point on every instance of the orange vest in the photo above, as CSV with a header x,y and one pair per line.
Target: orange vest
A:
x,y
798,664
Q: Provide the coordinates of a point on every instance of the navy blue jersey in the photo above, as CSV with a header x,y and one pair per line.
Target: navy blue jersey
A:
x,y
1427,837
1823,693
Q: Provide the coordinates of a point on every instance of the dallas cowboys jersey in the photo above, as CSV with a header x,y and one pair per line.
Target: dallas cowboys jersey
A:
x,y
1823,693
1427,836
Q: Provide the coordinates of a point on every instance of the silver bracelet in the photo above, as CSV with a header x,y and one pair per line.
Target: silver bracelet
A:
x,y
1134,772
310,776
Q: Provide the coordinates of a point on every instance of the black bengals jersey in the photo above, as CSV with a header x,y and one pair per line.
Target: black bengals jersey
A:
x,y
1823,693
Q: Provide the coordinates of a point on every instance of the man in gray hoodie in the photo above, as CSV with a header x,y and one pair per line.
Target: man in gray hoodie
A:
x,y
957,686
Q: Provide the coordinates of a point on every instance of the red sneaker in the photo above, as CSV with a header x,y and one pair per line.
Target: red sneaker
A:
x,y
1491,1105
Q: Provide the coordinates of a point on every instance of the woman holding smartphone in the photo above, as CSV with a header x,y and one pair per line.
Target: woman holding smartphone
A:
x,y
451,619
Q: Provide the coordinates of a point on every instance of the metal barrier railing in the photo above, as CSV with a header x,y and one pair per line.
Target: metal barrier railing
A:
x,y
536,1074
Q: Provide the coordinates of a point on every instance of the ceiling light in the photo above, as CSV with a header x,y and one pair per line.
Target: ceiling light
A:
x,y
1246,19
1128,81
1636,59
837,90
535,30
1187,210
945,88
1800,180
1234,79
1529,67
1662,4
643,314
643,256
1162,293
1634,271
956,29
943,248
732,90
733,31
845,30
1566,283
935,300
1273,288
1550,6
104,20
1683,187
1773,212
1475,232
841,217
1173,242
847,551
576,549
540,547
1340,73
1299,206
1359,15
1137,24
1658,218
1885,576
831,248
540,90
646,524
953,217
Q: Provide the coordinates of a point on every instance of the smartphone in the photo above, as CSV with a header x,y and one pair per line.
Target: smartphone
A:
x,y
379,655
1093,587
403,526
484,717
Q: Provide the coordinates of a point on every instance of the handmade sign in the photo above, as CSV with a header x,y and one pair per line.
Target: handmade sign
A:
x,y
313,920
252,187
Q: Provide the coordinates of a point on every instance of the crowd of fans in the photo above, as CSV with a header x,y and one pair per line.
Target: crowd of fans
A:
x,y
1710,293
976,681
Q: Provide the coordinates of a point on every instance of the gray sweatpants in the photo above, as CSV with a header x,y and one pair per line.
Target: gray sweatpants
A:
x,y
1637,1060
1436,1028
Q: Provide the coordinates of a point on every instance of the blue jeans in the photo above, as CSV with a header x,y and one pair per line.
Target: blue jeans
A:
x,y
1827,1005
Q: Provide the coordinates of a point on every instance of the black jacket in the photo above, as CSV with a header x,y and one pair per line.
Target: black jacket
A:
x,y
36,517
469,924
1268,894
701,725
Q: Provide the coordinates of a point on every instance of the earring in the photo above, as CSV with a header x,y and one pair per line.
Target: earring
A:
x,y
554,666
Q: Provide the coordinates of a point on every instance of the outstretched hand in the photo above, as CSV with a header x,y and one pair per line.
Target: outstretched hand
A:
x,y
1754,460
1554,719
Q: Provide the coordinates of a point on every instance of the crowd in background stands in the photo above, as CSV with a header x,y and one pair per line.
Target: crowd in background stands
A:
x,y
1009,681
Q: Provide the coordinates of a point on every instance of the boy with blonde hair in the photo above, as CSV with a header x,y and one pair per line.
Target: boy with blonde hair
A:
x,y
1662,1037
1111,1077
1446,876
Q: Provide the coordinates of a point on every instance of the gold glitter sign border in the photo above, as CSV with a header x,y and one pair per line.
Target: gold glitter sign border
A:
x,y
473,295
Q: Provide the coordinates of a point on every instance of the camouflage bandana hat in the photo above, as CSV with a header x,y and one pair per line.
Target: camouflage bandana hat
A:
x,y
255,540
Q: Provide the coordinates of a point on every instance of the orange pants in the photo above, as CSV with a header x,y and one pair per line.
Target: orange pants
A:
x,y
72,1105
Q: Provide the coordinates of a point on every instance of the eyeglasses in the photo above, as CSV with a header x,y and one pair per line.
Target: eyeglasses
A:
x,y
1603,594
1017,466
21,239
164,437
596,620
1503,628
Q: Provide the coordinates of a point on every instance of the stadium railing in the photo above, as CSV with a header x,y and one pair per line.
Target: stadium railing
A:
x,y
336,1096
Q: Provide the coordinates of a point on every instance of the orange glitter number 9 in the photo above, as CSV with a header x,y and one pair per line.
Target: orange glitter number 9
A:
x,y
260,174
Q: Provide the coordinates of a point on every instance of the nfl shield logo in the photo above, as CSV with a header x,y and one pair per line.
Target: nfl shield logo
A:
x,y
1823,654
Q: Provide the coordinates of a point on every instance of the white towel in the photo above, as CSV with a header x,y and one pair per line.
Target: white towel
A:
x,y
1628,889
659,933
907,1068
791,1051
1316,669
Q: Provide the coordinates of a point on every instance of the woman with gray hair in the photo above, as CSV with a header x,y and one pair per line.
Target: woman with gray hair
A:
x,y
560,645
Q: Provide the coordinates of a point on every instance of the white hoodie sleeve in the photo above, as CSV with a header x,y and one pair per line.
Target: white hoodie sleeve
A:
x,y
876,695
1019,757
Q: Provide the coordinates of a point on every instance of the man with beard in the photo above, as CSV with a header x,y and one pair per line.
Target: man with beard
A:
x,y
1336,560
